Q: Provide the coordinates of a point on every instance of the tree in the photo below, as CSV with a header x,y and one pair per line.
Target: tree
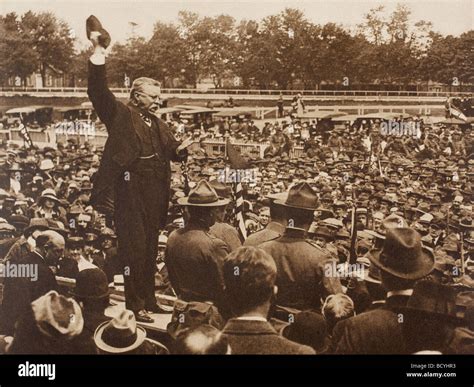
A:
x,y
18,56
129,59
78,70
50,38
374,25
166,54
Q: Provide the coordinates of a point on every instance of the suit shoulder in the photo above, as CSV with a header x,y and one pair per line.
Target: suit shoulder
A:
x,y
291,347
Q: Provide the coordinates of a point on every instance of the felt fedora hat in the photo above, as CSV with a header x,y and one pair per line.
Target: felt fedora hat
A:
x,y
403,255
91,284
432,300
93,24
301,196
203,195
119,335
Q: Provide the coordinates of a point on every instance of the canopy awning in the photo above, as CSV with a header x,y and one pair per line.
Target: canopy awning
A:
x,y
322,114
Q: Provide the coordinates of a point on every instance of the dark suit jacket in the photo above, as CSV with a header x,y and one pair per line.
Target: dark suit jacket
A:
x,y
20,292
123,143
375,332
260,338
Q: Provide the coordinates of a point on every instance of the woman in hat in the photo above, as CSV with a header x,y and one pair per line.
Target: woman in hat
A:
x,y
49,207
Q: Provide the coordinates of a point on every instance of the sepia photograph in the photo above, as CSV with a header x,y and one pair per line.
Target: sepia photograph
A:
x,y
221,178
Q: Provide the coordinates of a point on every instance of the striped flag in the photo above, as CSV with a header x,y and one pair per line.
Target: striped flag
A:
x,y
25,134
237,162
457,113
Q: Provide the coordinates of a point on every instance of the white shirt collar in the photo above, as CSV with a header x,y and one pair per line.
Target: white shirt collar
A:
x,y
404,292
252,318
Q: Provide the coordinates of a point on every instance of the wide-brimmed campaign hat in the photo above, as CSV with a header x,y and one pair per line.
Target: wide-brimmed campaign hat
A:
x,y
222,190
203,195
403,255
119,335
93,24
301,196
277,196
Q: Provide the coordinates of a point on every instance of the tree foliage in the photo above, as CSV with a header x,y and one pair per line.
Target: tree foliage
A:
x,y
284,50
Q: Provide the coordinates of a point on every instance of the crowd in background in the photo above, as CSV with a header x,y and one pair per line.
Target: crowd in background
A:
x,y
410,193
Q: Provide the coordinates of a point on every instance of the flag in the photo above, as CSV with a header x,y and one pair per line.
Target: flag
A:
x,y
237,162
457,113
25,134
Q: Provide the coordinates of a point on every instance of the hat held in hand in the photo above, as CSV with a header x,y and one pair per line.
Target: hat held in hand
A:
x,y
93,25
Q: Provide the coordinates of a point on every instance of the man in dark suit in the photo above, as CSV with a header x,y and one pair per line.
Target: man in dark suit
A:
x,y
135,175
301,277
194,257
19,292
249,277
402,262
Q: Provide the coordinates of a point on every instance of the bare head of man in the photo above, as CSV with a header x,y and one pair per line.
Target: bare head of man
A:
x,y
50,244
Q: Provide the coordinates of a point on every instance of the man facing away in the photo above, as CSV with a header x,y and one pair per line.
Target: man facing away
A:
x,y
249,278
302,265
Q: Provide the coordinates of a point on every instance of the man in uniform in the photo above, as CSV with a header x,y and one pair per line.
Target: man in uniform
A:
x,y
193,256
301,265
274,228
220,229
134,173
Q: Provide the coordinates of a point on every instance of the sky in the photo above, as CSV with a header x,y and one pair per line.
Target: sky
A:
x,y
448,16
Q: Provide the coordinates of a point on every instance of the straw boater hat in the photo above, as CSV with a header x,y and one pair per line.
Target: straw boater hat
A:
x,y
49,193
203,195
119,335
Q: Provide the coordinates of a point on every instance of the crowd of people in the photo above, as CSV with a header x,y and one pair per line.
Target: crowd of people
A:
x,y
362,245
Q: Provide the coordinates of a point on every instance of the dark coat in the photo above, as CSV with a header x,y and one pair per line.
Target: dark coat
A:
x,y
123,143
301,266
20,292
260,338
194,259
375,332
